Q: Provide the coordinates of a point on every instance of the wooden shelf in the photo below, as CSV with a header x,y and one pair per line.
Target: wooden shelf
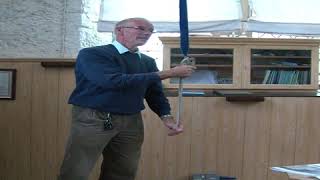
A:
x,y
208,65
58,64
280,57
204,55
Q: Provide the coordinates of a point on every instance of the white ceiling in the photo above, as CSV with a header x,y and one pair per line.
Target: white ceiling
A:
x,y
274,16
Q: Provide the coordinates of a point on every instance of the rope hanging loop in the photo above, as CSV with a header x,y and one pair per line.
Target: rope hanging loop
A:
x,y
185,61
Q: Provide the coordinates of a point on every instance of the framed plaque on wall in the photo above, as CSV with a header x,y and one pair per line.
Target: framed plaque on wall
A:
x,y
7,83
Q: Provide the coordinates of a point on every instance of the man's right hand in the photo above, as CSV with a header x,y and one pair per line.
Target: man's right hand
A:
x,y
178,71
183,70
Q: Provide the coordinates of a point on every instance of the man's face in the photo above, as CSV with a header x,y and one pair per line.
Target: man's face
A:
x,y
136,33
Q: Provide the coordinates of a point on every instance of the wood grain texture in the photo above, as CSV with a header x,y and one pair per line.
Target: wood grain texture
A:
x,y
256,140
307,149
282,133
44,118
231,133
15,124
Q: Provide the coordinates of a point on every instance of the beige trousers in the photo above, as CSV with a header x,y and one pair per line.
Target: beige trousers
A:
x,y
88,139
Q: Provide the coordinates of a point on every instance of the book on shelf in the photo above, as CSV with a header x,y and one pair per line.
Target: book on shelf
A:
x,y
286,77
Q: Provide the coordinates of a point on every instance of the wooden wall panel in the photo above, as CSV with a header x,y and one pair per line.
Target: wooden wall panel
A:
x,y
66,85
307,134
231,117
197,151
15,127
233,139
44,118
203,135
205,110
282,134
151,163
256,140
177,148
183,143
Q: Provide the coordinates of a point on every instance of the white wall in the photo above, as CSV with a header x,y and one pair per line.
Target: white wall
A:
x,y
48,28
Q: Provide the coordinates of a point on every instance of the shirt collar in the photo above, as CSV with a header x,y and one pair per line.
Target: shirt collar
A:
x,y
122,49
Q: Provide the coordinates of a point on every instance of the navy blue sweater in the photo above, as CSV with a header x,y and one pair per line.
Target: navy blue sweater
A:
x,y
117,83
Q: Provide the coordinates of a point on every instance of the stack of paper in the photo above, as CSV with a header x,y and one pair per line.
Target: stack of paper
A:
x,y
305,172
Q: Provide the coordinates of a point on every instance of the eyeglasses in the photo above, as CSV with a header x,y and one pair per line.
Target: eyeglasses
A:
x,y
140,28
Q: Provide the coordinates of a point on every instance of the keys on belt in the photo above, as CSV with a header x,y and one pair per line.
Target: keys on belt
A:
x,y
107,118
108,123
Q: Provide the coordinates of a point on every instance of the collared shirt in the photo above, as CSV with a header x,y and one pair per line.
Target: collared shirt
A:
x,y
122,49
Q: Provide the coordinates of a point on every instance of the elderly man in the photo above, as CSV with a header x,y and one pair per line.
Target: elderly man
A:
x,y
112,82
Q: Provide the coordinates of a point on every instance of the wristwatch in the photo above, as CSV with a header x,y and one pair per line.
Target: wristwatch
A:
x,y
166,116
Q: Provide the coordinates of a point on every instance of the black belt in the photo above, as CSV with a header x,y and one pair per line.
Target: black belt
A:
x,y
123,114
